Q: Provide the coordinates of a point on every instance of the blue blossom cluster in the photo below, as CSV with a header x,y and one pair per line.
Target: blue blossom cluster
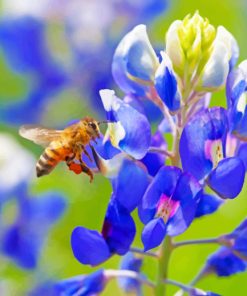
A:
x,y
23,232
76,64
170,188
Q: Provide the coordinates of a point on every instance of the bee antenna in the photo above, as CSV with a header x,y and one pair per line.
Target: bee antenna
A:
x,y
104,121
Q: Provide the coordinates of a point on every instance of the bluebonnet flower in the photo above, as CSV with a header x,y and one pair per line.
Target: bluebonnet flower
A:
x,y
206,51
208,61
22,240
131,262
82,285
116,237
129,130
118,229
231,258
237,240
202,150
168,206
225,263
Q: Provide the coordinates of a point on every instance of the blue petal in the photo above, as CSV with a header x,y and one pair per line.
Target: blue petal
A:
x,y
197,137
22,245
166,84
225,263
130,185
132,132
82,285
45,209
134,62
118,229
104,149
208,204
146,214
187,192
153,234
135,102
163,183
83,240
227,178
154,161
242,154
130,262
48,207
235,86
28,55
240,245
23,240
31,55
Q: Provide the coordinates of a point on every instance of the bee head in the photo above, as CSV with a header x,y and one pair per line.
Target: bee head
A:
x,y
92,127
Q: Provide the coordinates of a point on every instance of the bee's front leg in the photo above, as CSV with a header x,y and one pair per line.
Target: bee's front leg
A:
x,y
84,168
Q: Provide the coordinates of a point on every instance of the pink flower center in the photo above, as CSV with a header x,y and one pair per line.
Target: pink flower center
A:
x,y
166,207
214,151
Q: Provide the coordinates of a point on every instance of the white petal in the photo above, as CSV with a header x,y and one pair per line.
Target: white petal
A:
x,y
216,70
173,47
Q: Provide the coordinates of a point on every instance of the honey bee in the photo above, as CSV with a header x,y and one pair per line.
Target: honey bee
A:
x,y
63,145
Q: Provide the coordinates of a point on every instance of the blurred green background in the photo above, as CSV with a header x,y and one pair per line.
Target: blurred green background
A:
x,y
87,202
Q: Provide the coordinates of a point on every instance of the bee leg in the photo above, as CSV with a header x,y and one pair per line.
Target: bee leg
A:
x,y
86,170
72,165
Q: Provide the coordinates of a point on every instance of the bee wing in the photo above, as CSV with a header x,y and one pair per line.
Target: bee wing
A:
x,y
39,135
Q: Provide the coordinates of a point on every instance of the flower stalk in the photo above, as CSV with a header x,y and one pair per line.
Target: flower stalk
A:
x,y
164,258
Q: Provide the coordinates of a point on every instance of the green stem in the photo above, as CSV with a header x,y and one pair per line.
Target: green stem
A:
x,y
138,251
164,258
197,242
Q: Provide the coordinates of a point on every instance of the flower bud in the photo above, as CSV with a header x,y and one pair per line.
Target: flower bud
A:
x,y
135,62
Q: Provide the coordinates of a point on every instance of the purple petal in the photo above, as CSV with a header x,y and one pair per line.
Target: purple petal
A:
x,y
225,263
203,141
166,84
228,178
242,154
82,285
22,246
154,161
208,204
130,185
118,229
153,233
187,194
131,131
83,240
163,183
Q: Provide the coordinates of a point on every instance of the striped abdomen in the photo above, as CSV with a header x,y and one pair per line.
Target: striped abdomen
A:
x,y
49,159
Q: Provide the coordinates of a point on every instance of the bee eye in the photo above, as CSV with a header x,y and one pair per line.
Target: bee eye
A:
x,y
93,125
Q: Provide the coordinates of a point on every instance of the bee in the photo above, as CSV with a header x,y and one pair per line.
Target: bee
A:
x,y
64,145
